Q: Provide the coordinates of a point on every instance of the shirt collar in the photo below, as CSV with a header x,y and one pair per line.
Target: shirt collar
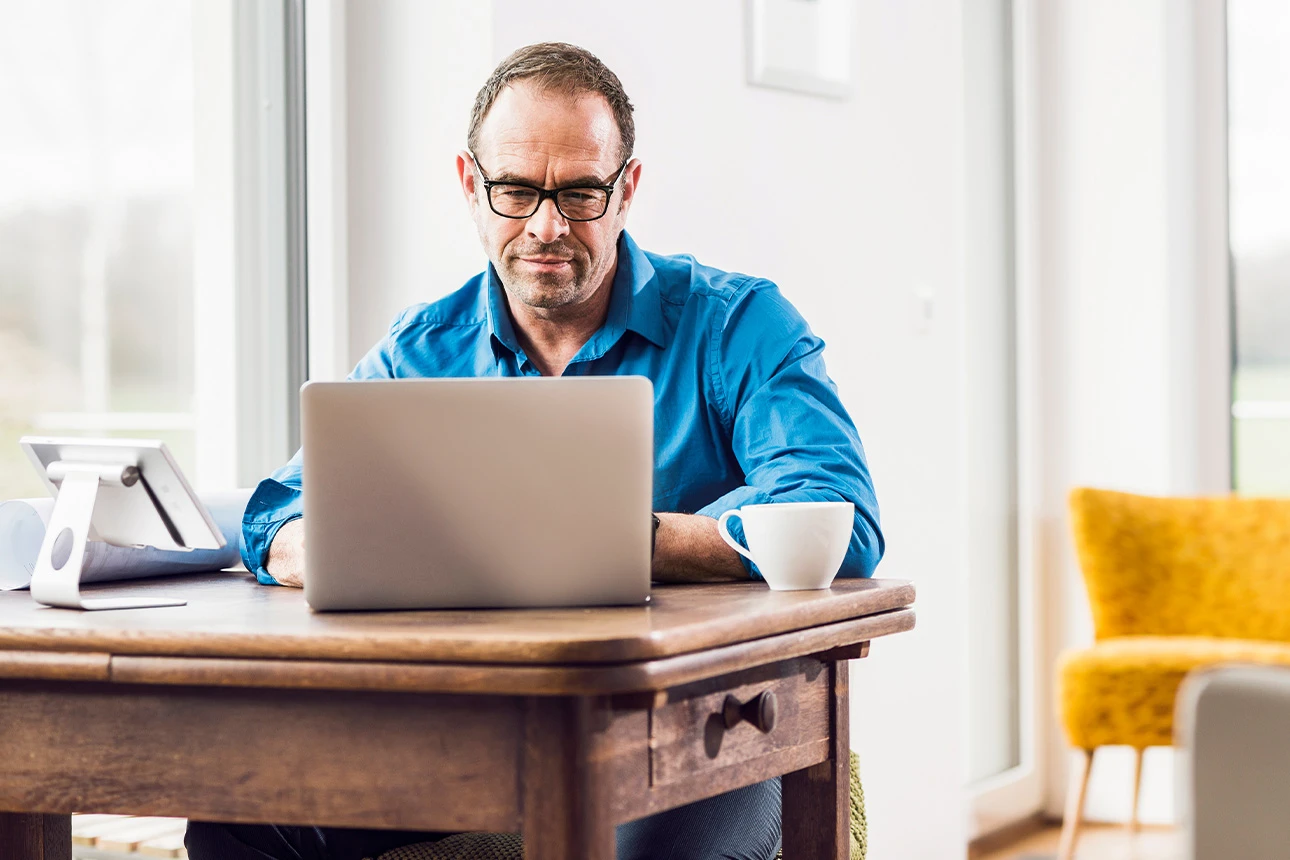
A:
x,y
499,316
634,305
636,273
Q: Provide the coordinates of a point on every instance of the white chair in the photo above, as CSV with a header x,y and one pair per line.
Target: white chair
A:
x,y
1233,724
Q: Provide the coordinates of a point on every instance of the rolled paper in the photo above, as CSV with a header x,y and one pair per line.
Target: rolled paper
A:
x,y
22,531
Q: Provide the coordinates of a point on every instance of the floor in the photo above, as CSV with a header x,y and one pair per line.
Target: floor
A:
x,y
1098,843
124,837
104,837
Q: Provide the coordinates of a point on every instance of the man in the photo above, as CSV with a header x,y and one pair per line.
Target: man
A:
x,y
744,410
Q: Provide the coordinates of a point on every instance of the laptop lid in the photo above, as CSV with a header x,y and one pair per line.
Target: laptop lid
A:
x,y
425,493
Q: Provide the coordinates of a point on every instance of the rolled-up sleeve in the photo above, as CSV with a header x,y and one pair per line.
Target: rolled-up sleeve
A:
x,y
279,498
276,501
790,432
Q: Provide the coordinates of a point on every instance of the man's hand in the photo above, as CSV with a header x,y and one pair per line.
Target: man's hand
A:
x,y
286,561
689,548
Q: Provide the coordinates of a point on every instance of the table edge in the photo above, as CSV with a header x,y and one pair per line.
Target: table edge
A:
x,y
609,649
451,678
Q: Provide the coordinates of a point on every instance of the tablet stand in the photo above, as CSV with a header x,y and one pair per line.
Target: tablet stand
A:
x,y
56,580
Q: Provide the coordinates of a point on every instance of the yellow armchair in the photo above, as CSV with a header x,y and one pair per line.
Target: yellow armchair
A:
x,y
1174,584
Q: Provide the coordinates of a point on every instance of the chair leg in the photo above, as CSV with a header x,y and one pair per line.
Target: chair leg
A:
x,y
1075,806
1137,788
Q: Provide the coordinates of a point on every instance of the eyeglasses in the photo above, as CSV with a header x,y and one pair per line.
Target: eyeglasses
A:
x,y
575,203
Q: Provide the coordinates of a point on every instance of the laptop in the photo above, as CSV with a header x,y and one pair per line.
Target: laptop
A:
x,y
440,493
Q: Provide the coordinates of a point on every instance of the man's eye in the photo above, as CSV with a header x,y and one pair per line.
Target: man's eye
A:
x,y
515,193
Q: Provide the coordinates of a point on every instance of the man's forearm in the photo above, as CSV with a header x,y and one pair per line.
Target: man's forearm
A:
x,y
286,562
690,549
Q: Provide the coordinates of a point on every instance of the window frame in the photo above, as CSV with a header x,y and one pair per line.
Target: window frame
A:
x,y
250,253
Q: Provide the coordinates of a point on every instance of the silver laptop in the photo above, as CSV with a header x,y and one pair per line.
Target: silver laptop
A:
x,y
428,493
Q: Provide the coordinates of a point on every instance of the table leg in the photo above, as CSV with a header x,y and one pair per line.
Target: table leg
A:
x,y
564,814
817,799
35,837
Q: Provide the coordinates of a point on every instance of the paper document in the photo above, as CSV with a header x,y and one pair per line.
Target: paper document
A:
x,y
22,531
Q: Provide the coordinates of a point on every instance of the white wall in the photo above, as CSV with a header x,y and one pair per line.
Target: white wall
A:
x,y
413,68
1128,315
853,262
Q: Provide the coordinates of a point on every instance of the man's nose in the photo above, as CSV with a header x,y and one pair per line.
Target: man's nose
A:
x,y
547,224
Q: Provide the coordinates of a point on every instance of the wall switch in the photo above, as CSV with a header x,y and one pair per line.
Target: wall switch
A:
x,y
924,310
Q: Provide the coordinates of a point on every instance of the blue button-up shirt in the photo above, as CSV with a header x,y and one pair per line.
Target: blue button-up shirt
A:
x,y
744,412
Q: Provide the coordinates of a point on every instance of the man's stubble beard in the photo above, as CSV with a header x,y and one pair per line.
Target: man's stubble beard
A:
x,y
546,291
549,291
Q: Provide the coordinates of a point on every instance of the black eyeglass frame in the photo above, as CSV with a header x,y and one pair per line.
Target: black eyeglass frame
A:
x,y
545,194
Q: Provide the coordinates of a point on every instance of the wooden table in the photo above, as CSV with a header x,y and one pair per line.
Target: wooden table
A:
x,y
246,706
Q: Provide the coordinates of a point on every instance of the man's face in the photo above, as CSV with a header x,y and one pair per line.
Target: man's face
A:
x,y
549,140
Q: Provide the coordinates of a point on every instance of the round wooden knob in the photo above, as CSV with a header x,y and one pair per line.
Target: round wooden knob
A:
x,y
764,709
761,710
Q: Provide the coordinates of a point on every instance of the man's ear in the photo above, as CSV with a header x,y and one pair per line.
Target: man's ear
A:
x,y
466,176
631,179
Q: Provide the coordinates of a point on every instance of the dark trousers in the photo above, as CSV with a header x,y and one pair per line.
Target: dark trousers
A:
x,y
740,825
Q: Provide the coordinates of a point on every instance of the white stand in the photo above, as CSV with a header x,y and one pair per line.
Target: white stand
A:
x,y
56,581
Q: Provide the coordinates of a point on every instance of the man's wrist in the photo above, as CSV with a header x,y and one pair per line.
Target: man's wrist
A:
x,y
285,560
689,549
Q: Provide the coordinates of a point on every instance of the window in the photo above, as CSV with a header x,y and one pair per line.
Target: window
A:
x,y
990,369
137,160
1259,188
96,226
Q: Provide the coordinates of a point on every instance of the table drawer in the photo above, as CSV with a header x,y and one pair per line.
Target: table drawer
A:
x,y
690,733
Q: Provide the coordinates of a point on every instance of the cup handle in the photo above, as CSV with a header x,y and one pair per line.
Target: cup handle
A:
x,y
725,534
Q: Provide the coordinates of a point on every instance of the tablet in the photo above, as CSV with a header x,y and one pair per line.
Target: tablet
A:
x,y
159,510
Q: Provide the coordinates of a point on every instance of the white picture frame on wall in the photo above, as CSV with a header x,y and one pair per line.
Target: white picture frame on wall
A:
x,y
799,45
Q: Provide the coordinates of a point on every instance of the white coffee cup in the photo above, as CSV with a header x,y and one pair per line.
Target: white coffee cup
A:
x,y
795,545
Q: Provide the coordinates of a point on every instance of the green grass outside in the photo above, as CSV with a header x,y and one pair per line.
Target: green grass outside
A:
x,y
1261,446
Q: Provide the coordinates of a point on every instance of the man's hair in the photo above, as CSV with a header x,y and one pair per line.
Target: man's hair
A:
x,y
561,68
